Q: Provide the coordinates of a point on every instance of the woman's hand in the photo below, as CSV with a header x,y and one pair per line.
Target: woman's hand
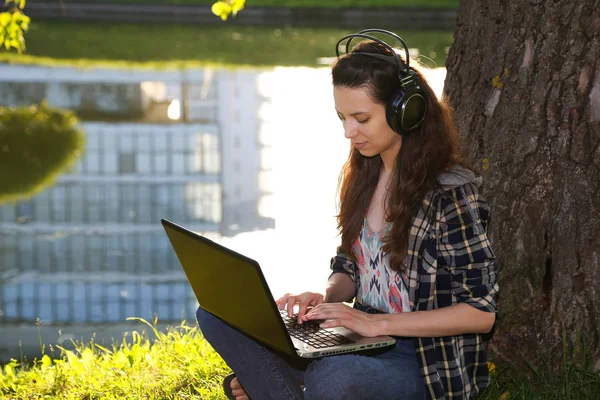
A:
x,y
339,314
304,300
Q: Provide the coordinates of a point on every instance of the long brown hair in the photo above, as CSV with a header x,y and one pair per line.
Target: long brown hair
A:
x,y
426,153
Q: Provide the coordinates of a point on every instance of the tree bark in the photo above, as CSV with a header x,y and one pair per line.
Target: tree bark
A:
x,y
524,81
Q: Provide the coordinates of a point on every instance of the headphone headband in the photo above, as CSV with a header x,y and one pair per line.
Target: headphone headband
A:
x,y
394,59
392,35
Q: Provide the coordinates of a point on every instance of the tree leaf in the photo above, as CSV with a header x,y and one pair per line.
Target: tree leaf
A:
x,y
9,369
237,6
46,361
14,32
13,29
5,18
221,9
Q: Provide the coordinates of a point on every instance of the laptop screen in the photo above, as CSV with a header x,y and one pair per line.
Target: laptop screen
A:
x,y
230,286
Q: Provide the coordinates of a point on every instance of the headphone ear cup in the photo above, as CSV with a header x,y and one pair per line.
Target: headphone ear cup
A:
x,y
413,109
406,110
391,111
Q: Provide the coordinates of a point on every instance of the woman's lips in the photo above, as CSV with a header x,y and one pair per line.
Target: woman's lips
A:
x,y
359,145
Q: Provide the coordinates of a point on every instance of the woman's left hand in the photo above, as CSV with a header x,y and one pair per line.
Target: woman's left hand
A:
x,y
339,314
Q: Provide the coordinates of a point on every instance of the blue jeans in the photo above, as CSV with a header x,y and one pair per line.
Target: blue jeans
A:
x,y
391,373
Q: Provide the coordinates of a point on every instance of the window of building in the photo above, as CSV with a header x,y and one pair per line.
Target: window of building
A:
x,y
126,163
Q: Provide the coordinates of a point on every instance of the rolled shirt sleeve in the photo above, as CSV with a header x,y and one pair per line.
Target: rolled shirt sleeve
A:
x,y
465,249
341,263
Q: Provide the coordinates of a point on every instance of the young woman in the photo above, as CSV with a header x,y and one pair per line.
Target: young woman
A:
x,y
414,254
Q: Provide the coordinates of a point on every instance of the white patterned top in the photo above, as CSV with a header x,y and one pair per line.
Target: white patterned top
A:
x,y
379,286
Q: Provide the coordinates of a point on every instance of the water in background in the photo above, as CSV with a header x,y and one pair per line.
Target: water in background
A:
x,y
248,158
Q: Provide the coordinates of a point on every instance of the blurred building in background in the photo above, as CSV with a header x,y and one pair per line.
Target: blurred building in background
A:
x,y
181,145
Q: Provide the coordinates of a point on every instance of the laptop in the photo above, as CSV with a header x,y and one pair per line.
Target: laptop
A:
x,y
233,287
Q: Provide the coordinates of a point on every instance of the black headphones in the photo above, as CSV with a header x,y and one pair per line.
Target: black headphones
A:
x,y
405,110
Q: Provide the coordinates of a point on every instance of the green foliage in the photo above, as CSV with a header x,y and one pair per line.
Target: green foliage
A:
x,y
224,8
572,382
36,144
179,364
13,23
572,378
92,43
299,3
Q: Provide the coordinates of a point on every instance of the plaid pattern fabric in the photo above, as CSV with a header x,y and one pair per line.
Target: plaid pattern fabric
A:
x,y
450,261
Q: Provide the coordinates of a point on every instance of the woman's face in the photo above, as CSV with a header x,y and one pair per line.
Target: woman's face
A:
x,y
365,123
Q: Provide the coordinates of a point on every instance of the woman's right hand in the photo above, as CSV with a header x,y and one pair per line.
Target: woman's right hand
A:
x,y
304,300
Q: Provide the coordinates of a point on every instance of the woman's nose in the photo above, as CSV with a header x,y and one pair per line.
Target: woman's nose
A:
x,y
349,130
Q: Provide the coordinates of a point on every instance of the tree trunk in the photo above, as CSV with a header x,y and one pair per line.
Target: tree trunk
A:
x,y
524,80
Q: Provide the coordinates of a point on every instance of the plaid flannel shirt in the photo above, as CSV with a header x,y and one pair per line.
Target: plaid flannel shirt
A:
x,y
449,261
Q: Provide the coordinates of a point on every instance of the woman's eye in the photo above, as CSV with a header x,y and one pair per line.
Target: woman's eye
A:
x,y
362,121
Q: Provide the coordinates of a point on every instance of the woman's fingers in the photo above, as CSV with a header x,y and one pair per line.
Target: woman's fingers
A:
x,y
328,311
287,302
282,301
302,310
331,323
304,301
311,300
331,315
288,305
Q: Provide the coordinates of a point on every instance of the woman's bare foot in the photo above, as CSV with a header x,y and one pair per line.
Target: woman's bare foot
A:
x,y
238,390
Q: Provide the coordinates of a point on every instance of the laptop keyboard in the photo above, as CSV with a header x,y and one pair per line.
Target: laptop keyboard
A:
x,y
310,332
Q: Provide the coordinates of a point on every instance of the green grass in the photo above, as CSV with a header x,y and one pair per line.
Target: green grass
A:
x,y
300,3
180,364
572,382
164,46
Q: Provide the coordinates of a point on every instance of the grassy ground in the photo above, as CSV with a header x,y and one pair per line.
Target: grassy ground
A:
x,y
300,3
178,365
181,365
88,43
